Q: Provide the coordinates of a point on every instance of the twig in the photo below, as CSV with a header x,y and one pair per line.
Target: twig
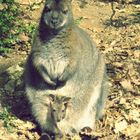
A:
x,y
113,12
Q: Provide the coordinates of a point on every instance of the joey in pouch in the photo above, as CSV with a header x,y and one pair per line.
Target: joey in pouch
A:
x,y
57,108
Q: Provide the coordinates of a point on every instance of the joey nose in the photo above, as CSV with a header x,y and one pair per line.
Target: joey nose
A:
x,y
58,120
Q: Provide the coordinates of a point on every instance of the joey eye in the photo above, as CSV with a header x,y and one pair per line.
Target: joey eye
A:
x,y
54,110
63,110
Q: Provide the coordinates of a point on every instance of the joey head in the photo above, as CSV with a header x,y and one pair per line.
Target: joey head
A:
x,y
58,107
64,61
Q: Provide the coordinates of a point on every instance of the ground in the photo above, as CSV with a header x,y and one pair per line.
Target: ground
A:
x,y
119,40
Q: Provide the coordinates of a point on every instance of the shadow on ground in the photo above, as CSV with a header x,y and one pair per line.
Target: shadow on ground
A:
x,y
12,94
122,20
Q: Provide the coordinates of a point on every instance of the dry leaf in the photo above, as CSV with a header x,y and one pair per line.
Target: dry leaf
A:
x,y
137,54
126,84
137,101
122,101
119,126
134,114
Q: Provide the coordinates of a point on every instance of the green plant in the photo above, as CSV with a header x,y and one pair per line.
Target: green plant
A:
x,y
11,25
8,18
7,118
7,1
78,20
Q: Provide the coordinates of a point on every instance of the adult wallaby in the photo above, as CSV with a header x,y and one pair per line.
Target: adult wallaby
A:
x,y
65,62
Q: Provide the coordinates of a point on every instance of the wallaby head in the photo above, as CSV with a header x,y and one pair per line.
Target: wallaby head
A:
x,y
59,106
57,14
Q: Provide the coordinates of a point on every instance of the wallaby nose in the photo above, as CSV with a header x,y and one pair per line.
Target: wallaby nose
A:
x,y
54,21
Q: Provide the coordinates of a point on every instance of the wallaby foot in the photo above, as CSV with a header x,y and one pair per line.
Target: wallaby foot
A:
x,y
58,137
86,130
85,137
45,136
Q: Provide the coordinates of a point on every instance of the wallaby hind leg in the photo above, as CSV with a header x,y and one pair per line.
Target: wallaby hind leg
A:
x,y
101,101
40,113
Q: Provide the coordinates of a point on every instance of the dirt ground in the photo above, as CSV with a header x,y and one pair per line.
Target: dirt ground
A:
x,y
119,41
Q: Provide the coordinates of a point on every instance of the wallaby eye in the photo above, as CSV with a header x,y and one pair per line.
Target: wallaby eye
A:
x,y
54,110
63,110
47,9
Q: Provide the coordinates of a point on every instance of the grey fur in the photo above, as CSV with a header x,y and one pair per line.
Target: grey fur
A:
x,y
58,107
65,62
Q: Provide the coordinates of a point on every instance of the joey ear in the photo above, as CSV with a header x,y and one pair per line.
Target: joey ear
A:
x,y
66,99
52,97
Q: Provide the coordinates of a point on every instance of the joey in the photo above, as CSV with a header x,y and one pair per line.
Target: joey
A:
x,y
57,107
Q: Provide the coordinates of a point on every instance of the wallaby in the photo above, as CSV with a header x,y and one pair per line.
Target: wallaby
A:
x,y
65,62
58,107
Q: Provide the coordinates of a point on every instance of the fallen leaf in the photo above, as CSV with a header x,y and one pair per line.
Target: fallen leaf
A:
x,y
126,84
137,101
119,126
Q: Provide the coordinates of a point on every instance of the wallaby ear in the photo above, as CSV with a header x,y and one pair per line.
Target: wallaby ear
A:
x,y
52,97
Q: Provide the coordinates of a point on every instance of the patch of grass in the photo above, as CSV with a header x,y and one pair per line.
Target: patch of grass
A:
x,y
7,118
12,24
78,20
8,35
5,50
